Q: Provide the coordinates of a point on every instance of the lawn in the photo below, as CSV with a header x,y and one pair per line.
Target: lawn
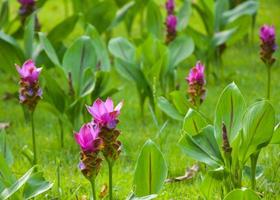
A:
x,y
241,64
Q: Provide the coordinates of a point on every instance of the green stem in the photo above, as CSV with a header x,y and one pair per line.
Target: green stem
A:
x,y
254,159
92,182
33,139
5,145
61,133
268,81
110,166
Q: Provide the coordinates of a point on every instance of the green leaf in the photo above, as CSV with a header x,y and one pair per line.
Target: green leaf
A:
x,y
222,37
122,48
169,109
35,186
7,177
230,110
179,49
246,8
103,60
151,170
184,15
258,128
5,149
80,56
212,181
180,101
101,14
8,192
4,13
242,194
29,36
194,122
63,29
149,197
48,48
276,135
154,20
202,147
121,13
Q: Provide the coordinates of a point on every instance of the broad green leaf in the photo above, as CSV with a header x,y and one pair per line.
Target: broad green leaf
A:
x,y
103,60
48,48
5,149
29,36
4,13
154,20
8,192
7,177
212,182
36,185
202,147
276,135
151,170
121,13
230,110
63,29
101,14
258,128
242,194
122,48
180,101
80,56
246,8
169,109
220,7
194,122
222,37
54,93
179,49
184,15
149,197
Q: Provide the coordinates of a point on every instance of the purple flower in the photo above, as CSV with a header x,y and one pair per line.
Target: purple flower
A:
x,y
26,2
196,75
169,5
268,44
171,23
28,72
104,113
196,81
88,138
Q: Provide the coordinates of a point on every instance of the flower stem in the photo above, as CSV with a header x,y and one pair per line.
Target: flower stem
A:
x,y
254,159
92,182
61,133
33,139
268,81
110,166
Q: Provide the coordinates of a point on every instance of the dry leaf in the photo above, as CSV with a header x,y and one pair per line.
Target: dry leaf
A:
x,y
190,173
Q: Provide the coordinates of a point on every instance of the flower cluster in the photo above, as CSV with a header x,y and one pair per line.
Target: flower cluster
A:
x,y
268,44
196,81
99,135
27,7
30,91
171,21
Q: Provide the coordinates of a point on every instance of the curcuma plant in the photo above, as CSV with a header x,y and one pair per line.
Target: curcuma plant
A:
x,y
237,135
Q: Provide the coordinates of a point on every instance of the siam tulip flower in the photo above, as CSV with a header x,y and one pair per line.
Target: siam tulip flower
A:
x,y
268,47
27,7
170,5
268,44
90,144
88,138
104,113
196,81
30,91
171,23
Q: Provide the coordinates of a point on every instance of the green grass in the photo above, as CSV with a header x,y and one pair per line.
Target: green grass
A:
x,y
241,60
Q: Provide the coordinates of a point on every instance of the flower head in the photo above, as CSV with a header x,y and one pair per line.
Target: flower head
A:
x,y
169,5
28,72
196,75
196,81
104,113
88,138
268,44
26,2
171,23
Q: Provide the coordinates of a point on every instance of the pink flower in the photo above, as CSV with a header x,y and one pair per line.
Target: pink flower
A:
x,y
104,113
196,75
28,72
169,5
26,2
88,138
